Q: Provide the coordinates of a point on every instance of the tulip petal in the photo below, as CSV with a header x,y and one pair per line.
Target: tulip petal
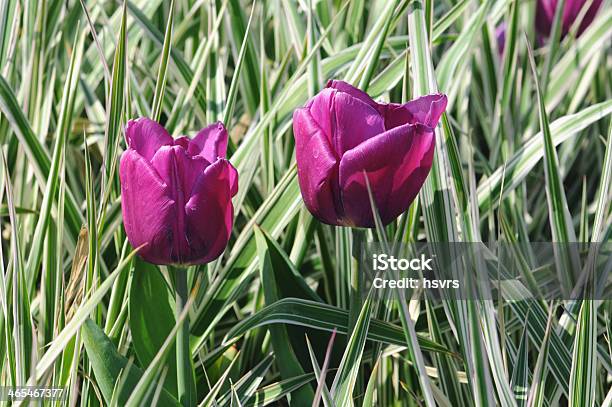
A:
x,y
233,180
147,208
321,113
425,110
178,169
545,15
182,141
180,172
344,119
355,122
317,168
572,10
396,164
353,91
210,143
146,137
210,213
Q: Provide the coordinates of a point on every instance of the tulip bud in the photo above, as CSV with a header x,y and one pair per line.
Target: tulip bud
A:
x,y
342,136
176,195
545,15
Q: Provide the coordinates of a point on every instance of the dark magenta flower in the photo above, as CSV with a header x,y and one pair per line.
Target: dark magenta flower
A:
x,y
545,15
500,37
176,195
342,134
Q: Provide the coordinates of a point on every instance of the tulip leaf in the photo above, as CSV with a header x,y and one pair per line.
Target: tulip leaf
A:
x,y
110,367
289,282
271,262
151,316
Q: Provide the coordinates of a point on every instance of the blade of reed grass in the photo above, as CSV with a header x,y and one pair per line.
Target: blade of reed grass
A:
x,y
322,392
553,41
19,297
378,33
520,373
512,174
603,194
314,69
582,381
209,400
233,90
274,392
325,317
454,60
112,131
237,31
536,391
440,209
374,54
248,384
81,314
560,220
65,119
407,316
94,35
562,76
177,120
346,376
37,155
162,73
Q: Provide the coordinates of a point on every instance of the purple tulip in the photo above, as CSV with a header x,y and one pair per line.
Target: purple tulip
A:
x,y
500,36
342,136
545,15
176,195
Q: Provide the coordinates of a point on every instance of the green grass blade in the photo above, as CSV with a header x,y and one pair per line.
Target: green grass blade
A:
x,y
160,84
325,317
560,219
63,129
346,376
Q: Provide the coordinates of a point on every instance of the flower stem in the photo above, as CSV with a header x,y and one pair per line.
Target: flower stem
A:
x,y
183,353
356,277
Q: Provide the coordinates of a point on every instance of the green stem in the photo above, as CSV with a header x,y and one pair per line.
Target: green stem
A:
x,y
356,277
183,353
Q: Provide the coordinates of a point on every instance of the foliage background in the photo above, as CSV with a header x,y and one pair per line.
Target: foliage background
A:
x,y
80,311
